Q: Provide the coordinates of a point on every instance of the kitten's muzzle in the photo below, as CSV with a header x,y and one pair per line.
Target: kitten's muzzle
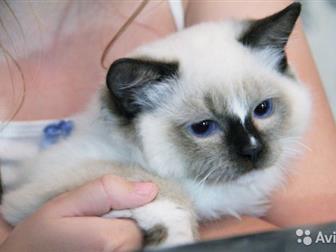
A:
x,y
251,151
245,144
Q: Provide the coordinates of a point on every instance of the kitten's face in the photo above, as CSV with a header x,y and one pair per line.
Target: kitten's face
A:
x,y
217,110
222,130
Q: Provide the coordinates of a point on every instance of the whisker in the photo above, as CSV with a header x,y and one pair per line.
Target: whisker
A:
x,y
304,146
209,173
296,140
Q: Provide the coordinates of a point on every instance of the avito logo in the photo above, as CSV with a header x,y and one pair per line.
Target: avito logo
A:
x,y
305,237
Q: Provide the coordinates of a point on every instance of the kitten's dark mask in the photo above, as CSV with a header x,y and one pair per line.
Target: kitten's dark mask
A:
x,y
138,86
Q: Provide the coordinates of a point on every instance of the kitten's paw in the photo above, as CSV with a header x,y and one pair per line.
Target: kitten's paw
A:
x,y
166,224
156,235
160,236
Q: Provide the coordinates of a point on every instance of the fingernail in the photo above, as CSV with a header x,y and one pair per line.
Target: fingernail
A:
x,y
144,189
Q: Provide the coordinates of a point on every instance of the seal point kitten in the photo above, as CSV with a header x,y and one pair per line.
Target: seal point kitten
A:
x,y
210,114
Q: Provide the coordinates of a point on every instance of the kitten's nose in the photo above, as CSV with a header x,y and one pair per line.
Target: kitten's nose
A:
x,y
251,150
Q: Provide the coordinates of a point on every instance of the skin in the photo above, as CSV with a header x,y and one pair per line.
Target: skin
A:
x,y
58,64
69,222
309,196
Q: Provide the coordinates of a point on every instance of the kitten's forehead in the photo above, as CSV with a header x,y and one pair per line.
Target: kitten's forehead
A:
x,y
192,47
218,66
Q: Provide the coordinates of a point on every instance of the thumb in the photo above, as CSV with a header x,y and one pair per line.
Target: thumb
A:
x,y
101,196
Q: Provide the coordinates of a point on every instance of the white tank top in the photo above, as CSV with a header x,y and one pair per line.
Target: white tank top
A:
x,y
22,140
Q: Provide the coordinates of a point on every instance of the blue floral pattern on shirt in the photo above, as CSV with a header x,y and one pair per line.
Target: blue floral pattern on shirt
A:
x,y
54,132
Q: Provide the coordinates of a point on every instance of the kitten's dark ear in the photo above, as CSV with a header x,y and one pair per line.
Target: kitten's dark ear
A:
x,y
134,84
273,32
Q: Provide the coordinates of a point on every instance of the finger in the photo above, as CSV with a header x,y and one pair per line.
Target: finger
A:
x,y
83,234
100,196
97,234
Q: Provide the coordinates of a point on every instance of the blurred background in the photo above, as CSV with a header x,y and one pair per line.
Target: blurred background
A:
x,y
319,20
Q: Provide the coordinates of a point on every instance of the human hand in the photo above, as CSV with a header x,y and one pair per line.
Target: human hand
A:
x,y
71,221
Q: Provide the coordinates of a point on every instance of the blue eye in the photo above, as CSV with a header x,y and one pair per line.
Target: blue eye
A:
x,y
204,128
264,109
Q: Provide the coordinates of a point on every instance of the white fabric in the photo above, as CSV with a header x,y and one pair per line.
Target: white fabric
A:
x,y
18,141
177,11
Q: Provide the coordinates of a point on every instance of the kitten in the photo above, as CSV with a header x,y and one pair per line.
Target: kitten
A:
x,y
210,114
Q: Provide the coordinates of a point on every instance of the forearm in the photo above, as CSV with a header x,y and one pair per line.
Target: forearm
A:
x,y
232,226
309,196
5,229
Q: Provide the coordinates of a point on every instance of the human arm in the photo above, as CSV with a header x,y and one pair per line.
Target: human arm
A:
x,y
5,230
309,196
